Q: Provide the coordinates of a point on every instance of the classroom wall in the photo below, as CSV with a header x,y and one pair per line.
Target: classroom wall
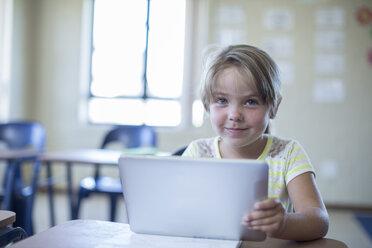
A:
x,y
47,84
326,81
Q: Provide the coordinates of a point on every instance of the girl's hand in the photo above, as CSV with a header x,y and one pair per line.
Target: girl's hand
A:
x,y
268,216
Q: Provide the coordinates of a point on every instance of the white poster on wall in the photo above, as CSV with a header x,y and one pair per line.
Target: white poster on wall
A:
x,y
330,17
328,90
329,64
228,36
286,72
230,14
278,19
330,40
329,169
279,46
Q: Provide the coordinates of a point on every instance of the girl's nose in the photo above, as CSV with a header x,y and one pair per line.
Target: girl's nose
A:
x,y
235,113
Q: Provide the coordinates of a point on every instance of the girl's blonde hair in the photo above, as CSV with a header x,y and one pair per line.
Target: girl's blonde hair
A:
x,y
255,62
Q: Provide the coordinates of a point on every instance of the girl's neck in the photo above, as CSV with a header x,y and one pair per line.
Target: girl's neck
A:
x,y
252,151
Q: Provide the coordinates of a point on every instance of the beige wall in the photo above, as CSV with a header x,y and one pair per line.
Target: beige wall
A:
x,y
47,85
334,134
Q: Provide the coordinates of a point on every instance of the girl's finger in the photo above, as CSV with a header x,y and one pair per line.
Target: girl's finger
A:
x,y
255,215
272,228
267,204
265,221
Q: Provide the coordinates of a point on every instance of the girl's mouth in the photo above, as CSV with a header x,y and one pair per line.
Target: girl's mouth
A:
x,y
235,131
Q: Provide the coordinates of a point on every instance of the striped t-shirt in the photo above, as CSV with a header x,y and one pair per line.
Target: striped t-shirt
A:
x,y
286,159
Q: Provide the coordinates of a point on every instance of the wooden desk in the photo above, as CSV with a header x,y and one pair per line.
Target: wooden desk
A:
x,y
9,234
70,157
99,234
6,218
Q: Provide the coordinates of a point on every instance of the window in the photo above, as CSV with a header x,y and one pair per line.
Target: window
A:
x,y
137,62
6,16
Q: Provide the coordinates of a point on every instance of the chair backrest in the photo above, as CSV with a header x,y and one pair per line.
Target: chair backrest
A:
x,y
131,136
180,151
23,134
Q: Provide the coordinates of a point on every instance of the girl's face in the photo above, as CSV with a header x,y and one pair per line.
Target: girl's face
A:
x,y
238,114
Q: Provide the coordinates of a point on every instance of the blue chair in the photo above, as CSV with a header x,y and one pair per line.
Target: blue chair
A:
x,y
128,137
180,151
22,135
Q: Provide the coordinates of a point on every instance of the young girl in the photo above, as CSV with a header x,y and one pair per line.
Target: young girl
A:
x,y
241,93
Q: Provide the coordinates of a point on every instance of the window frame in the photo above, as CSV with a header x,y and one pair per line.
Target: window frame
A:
x,y
145,96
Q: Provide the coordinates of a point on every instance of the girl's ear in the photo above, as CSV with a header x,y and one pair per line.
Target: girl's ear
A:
x,y
273,113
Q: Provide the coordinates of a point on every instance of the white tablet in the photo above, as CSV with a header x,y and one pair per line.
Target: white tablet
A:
x,y
203,198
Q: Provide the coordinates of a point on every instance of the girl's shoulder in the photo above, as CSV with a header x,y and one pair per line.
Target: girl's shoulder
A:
x,y
205,147
282,146
205,141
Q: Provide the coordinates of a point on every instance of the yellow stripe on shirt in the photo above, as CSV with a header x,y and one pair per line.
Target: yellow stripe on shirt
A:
x,y
276,185
273,196
276,173
266,149
294,149
272,163
298,168
299,157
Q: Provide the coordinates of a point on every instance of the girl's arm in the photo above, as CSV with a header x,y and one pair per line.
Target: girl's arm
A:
x,y
310,220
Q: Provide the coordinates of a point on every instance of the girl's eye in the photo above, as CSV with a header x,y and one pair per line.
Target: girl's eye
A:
x,y
221,101
251,102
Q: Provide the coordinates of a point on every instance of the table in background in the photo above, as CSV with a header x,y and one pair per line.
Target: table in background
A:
x,y
92,233
70,157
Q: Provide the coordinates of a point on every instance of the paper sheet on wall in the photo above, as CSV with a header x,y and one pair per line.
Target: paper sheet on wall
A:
x,y
330,169
278,19
280,46
330,17
228,36
230,14
286,70
329,64
328,90
330,40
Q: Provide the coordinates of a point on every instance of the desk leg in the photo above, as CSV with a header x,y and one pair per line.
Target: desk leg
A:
x,y
9,184
70,191
50,194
